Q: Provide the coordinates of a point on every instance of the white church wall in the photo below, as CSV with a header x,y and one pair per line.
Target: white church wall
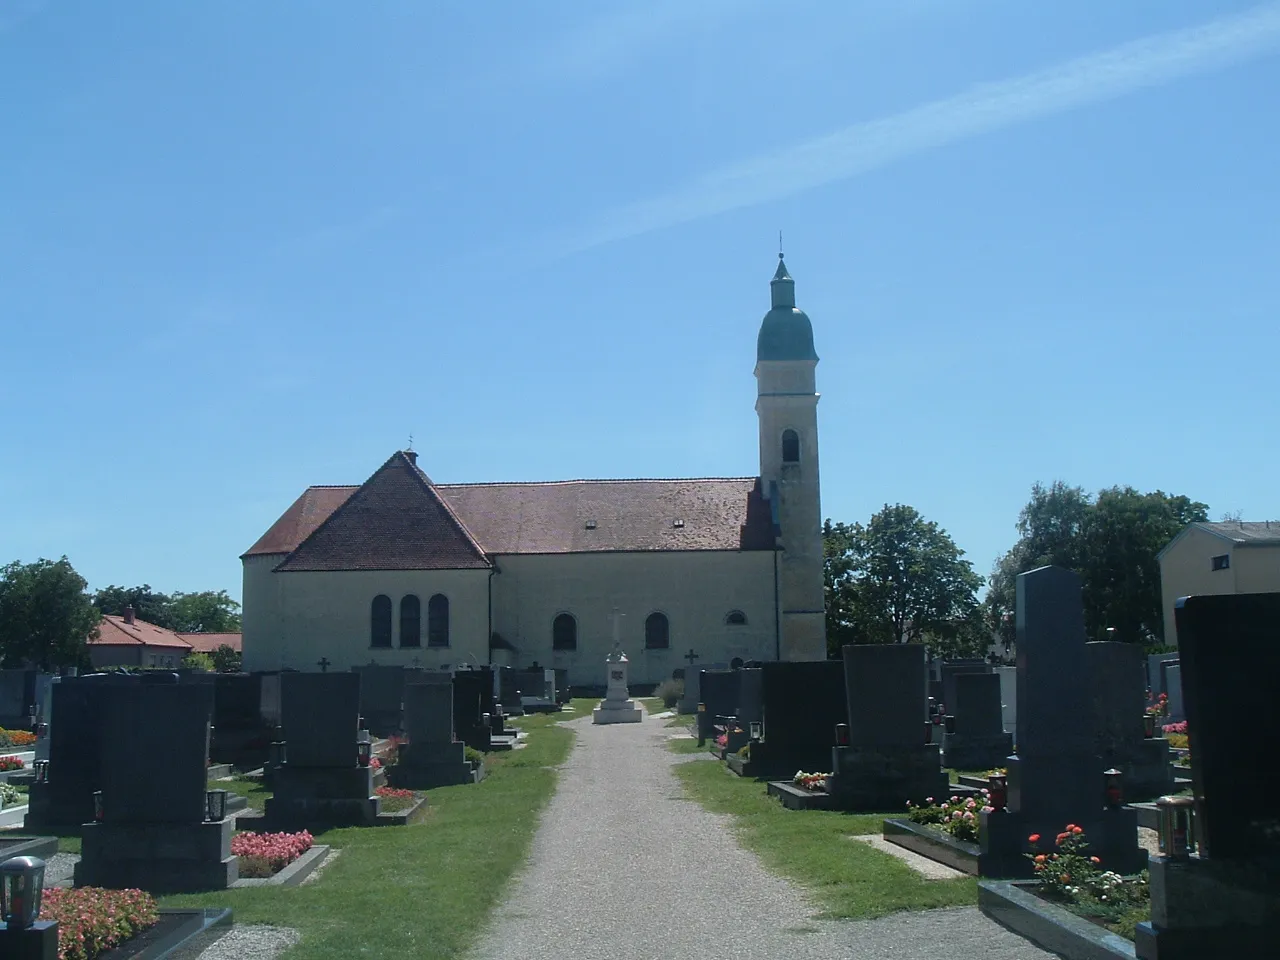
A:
x,y
295,620
696,590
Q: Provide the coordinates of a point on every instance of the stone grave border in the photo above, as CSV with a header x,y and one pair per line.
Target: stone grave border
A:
x,y
292,874
26,845
742,766
401,818
191,931
1053,928
923,839
798,798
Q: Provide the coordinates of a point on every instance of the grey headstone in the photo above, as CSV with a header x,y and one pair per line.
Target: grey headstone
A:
x,y
750,693
977,704
428,713
885,686
13,697
1009,699
950,669
1155,676
1173,687
319,713
1118,696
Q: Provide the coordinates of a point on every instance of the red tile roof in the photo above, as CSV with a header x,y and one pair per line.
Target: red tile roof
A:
x,y
395,521
114,631
209,642
572,516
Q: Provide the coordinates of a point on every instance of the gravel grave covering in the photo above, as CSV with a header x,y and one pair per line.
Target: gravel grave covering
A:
x,y
251,942
624,867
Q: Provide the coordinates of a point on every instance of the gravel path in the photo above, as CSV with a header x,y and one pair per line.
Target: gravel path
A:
x,y
624,868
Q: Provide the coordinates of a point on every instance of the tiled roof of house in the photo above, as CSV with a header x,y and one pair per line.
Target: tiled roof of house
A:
x,y
395,521
1245,531
116,631
209,642
571,516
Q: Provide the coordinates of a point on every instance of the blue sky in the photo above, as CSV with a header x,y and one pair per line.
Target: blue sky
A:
x,y
248,247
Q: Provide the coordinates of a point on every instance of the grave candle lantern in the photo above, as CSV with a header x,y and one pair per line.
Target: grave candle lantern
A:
x,y
1177,826
1112,793
99,806
1148,725
949,721
998,791
42,771
215,802
364,752
842,734
756,729
21,886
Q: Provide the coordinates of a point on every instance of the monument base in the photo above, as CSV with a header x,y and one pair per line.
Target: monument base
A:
x,y
1112,836
48,810
331,796
37,942
426,765
617,711
885,778
962,751
157,857
1147,767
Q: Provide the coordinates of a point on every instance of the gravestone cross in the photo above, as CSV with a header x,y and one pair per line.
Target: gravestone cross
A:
x,y
691,656
323,664
616,617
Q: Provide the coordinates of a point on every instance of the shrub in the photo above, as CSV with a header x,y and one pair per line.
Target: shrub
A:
x,y
744,751
473,755
9,794
11,763
1070,874
394,799
1179,740
253,867
395,793
955,816
198,660
92,920
669,692
278,849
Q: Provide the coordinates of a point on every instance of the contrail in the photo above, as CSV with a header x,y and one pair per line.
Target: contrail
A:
x,y
874,143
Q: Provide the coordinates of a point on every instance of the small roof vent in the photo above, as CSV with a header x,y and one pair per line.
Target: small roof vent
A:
x,y
591,524
677,522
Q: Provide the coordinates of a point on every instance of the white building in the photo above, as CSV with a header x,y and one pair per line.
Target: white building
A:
x,y
401,570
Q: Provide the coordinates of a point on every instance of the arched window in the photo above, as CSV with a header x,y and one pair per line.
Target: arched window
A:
x,y
380,621
410,621
657,632
790,446
438,621
564,633
735,663
735,618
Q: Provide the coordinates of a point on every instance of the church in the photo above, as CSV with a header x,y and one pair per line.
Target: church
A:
x,y
401,570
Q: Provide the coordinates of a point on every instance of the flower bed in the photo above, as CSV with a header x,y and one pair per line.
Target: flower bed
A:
x,y
92,920
955,816
262,854
16,738
395,799
1157,706
1176,734
9,794
1073,879
811,781
11,763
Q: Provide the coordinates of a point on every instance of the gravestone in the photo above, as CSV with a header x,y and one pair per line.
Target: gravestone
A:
x,y
154,833
240,734
750,705
321,781
1056,777
537,690
979,741
1155,673
1173,687
949,670
563,693
507,688
887,761
381,698
801,705
17,699
617,705
432,756
1224,900
473,707
65,799
1117,691
693,686
1009,700
719,690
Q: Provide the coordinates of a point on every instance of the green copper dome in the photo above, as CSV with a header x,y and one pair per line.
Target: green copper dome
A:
x,y
785,332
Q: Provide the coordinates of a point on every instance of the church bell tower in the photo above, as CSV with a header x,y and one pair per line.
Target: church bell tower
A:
x,y
787,406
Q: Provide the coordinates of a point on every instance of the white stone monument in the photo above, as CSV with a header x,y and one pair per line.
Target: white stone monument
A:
x,y
617,705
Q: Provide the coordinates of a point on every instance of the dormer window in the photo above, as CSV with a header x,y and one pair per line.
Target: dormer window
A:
x,y
677,523
590,524
790,446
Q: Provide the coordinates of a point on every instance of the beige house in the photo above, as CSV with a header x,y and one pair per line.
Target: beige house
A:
x,y
1233,556
403,570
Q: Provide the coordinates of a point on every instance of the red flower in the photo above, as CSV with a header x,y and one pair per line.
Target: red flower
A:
x,y
1034,838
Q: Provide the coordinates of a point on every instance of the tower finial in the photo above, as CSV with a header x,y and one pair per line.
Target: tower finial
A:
x,y
779,244
411,441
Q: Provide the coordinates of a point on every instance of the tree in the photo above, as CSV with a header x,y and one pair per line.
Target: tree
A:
x,y
210,611
898,579
46,617
226,659
147,605
198,660
1112,541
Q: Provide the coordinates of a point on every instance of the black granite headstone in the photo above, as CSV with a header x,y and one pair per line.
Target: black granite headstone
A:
x,y
977,704
428,712
319,714
750,695
801,705
950,669
381,697
886,693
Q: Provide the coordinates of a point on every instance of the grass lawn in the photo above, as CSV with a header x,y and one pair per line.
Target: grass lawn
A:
x,y
425,890
686,746
846,878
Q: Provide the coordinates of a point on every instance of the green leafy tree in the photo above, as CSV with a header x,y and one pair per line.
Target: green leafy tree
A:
x,y
46,617
1112,541
210,611
198,660
898,579
226,659
147,605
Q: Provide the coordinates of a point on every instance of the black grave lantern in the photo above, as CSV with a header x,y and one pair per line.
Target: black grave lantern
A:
x,y
99,807
842,734
1113,793
949,722
1148,725
364,752
21,886
42,771
928,730
1177,826
756,729
215,805
998,791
